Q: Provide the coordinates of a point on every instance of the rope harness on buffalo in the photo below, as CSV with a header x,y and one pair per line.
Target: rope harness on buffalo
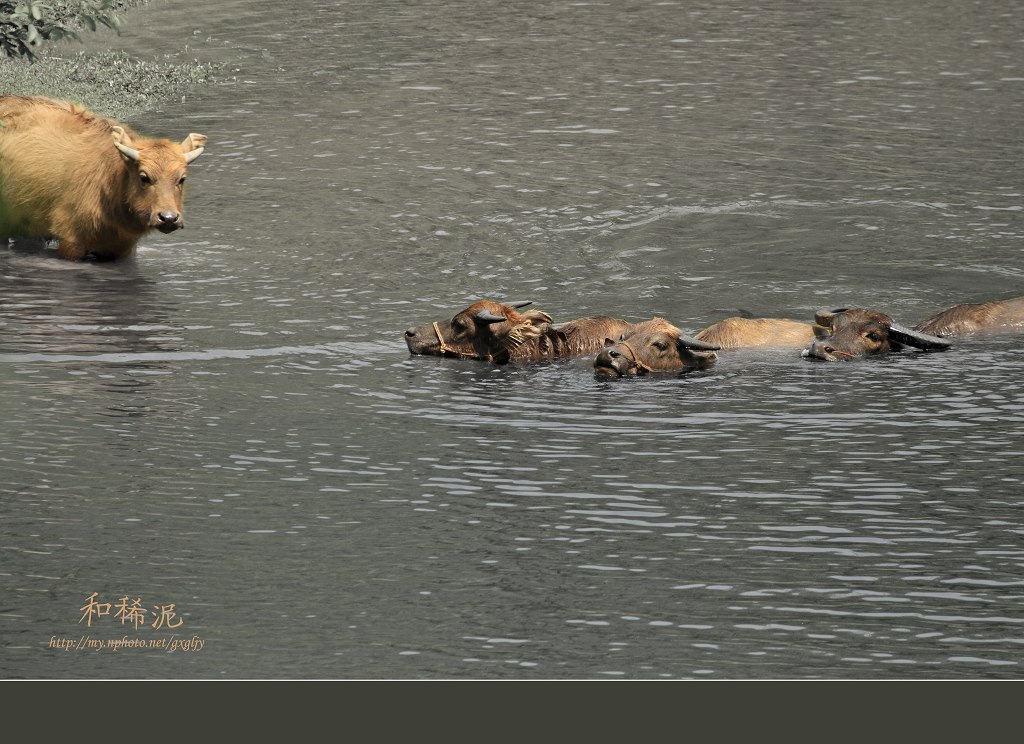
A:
x,y
446,349
636,359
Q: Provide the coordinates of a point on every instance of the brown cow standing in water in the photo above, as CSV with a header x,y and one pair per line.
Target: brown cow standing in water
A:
x,y
91,183
653,346
491,331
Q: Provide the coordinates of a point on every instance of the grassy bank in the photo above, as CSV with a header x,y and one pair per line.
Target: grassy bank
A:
x,y
111,83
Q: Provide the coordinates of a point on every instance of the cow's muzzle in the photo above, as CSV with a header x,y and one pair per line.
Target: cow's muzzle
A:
x,y
613,363
825,352
167,222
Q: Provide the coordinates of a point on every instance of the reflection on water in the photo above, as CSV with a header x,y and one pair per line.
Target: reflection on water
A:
x,y
52,305
232,421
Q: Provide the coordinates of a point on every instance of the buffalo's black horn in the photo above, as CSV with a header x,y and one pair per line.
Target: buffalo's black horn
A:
x,y
518,305
918,340
691,343
488,317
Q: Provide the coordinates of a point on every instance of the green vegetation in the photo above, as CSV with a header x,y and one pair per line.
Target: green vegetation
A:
x,y
27,24
112,83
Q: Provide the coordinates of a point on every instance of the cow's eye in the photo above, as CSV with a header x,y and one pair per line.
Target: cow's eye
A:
x,y
144,177
181,181
660,345
875,336
458,326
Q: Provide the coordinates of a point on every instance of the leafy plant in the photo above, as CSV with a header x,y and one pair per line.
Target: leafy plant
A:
x,y
26,24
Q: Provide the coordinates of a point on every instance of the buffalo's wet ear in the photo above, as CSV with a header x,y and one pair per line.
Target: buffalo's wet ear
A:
x,y
918,340
705,358
825,316
821,331
537,317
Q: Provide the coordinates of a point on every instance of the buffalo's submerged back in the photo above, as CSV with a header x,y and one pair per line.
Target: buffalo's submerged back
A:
x,y
91,183
500,333
747,333
968,318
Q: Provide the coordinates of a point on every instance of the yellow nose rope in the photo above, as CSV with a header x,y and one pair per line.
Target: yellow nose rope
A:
x,y
636,359
445,348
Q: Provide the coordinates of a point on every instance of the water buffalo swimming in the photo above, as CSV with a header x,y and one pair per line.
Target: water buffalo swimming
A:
x,y
496,332
853,333
500,333
653,346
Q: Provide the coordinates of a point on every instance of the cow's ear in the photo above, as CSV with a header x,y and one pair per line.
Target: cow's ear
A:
x,y
193,142
518,335
120,136
536,317
192,146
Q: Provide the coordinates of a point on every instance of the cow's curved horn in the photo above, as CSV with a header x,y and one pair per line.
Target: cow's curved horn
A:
x,y
918,340
193,154
488,317
120,139
518,305
128,152
690,342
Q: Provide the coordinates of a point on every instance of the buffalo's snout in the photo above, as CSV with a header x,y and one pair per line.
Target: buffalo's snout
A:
x,y
411,340
611,361
168,221
421,340
825,351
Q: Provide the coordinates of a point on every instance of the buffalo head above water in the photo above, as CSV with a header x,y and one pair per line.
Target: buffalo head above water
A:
x,y
653,346
485,330
853,333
